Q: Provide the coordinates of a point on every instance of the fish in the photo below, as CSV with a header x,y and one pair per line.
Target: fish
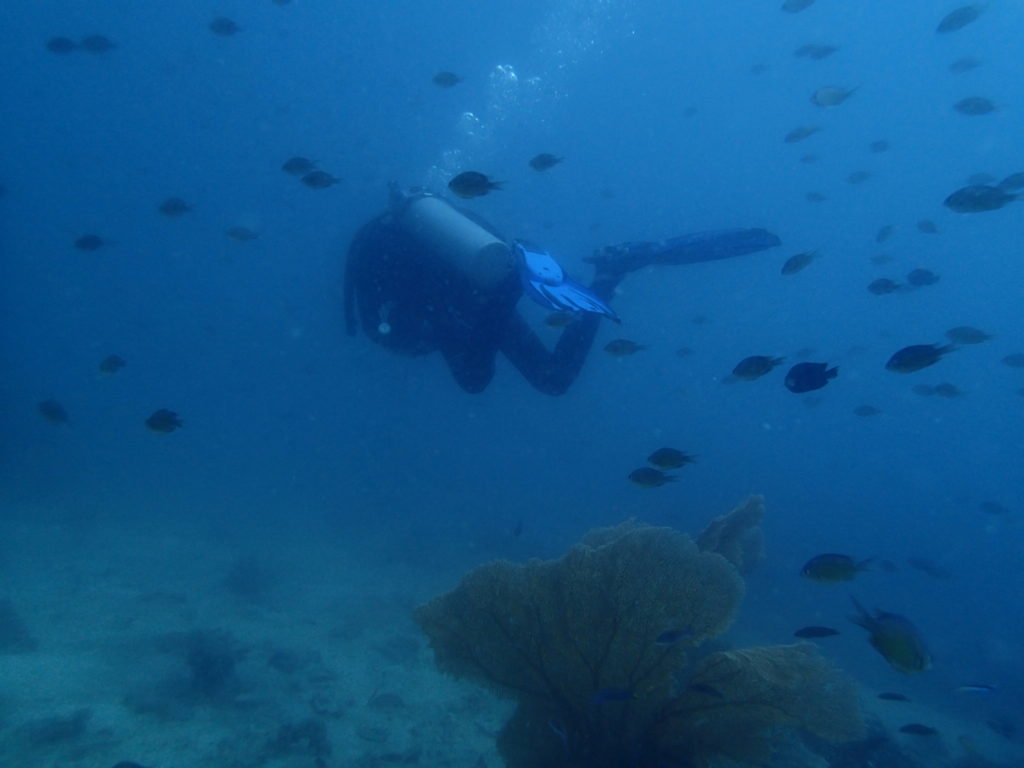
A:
x,y
832,568
809,159
684,351
241,234
470,184
61,45
929,567
1015,360
224,27
756,366
831,96
975,688
965,64
673,636
670,458
611,694
883,286
543,161
966,334
884,233
881,145
994,508
947,390
111,364
918,730
164,421
298,166
920,277
89,243
927,226
319,180
174,206
890,696
800,133
916,356
97,44
858,177
53,412
1012,183
866,410
758,69
795,6
646,477
895,638
807,377
814,197
814,632
959,18
446,79
978,198
816,52
798,262
623,347
975,105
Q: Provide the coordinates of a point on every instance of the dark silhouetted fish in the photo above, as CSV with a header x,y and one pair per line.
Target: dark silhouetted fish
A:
x,y
884,233
647,477
670,458
815,631
89,243
883,286
446,79
470,184
174,206
224,27
298,166
866,410
795,6
831,568
623,347
1012,183
879,146
947,390
97,44
917,356
917,729
543,161
920,277
967,334
890,696
927,226
1016,360
807,377
111,364
755,366
319,180
831,96
965,64
858,177
975,105
61,45
800,133
798,262
53,412
241,234
977,198
816,52
959,18
164,421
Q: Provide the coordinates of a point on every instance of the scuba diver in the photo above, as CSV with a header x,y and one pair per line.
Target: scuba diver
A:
x,y
427,277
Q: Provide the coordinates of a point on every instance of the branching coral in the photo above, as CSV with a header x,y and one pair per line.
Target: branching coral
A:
x,y
737,536
592,648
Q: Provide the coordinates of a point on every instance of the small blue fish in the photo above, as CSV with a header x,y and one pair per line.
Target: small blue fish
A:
x,y
611,694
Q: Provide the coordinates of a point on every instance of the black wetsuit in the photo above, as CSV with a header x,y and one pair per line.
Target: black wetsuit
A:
x,y
408,298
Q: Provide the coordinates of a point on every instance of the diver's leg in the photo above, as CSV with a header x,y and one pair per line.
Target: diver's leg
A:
x,y
552,372
473,368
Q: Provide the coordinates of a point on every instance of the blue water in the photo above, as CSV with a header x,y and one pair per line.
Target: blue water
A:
x,y
289,424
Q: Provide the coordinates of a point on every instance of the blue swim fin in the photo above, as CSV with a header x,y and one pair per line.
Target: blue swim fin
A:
x,y
546,283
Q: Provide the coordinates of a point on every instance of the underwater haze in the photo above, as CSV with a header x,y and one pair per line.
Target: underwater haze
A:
x,y
219,510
